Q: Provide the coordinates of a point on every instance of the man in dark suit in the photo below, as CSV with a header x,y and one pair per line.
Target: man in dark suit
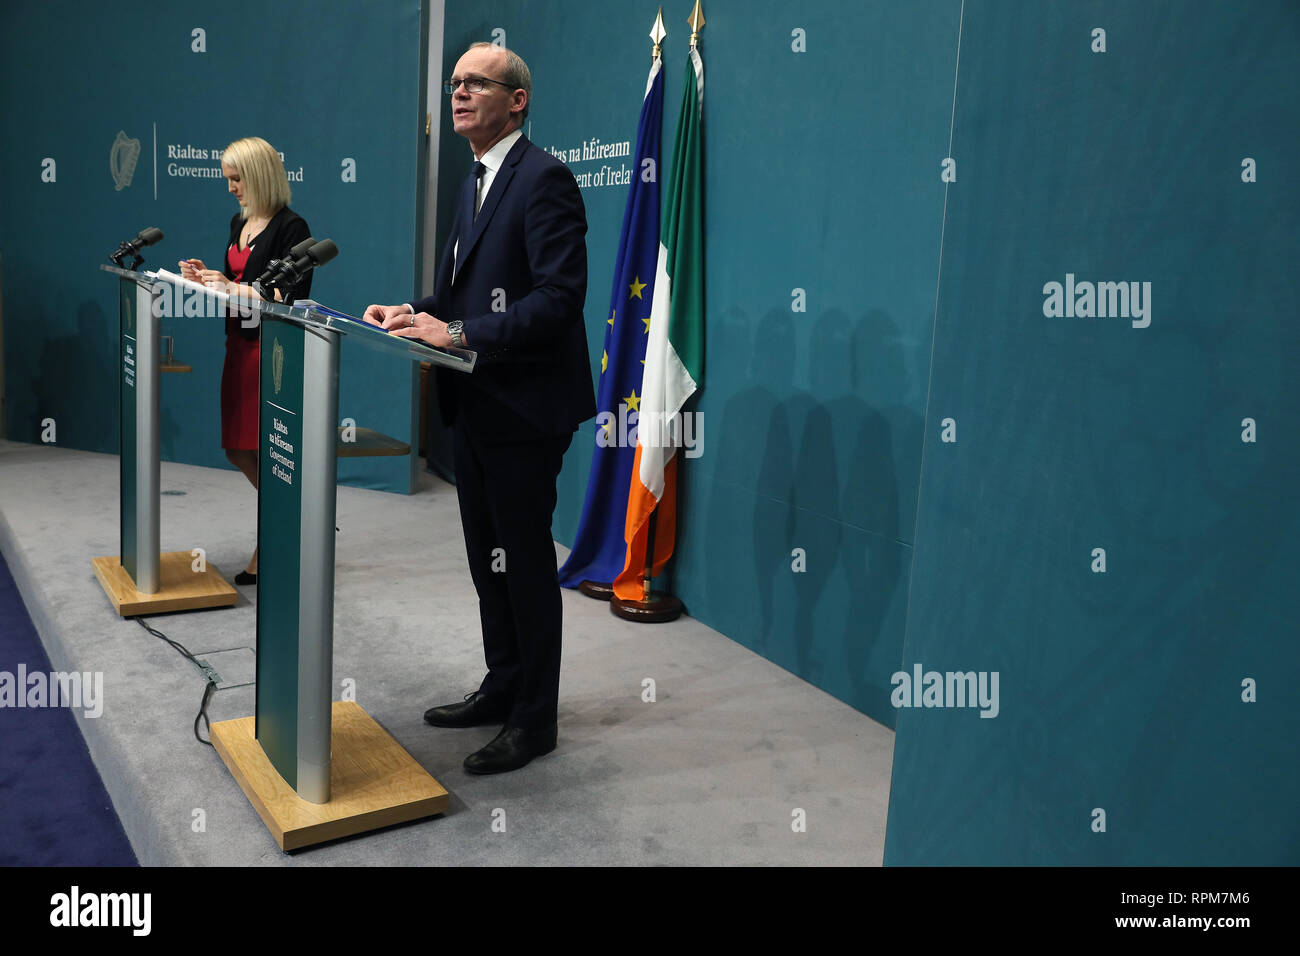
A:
x,y
511,286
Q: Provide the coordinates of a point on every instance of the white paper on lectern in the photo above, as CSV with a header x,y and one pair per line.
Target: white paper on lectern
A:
x,y
172,277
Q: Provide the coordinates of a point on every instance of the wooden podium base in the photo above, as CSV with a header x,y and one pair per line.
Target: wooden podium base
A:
x,y
374,782
181,587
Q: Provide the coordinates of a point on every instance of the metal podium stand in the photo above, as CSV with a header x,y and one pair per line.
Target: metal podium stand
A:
x,y
140,579
313,770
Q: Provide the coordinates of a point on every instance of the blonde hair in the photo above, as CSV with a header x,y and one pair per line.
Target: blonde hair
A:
x,y
266,187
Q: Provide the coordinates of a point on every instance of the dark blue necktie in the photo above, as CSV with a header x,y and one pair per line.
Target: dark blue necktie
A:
x,y
468,200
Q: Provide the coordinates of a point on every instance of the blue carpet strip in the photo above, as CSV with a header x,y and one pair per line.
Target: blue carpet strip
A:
x,y
54,810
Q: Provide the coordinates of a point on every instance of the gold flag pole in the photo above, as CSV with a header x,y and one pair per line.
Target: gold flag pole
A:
x,y
696,21
657,34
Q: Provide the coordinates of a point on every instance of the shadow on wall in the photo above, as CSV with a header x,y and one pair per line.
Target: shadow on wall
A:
x,y
868,423
75,384
823,468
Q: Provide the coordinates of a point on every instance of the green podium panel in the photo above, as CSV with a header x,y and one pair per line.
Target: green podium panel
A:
x,y
295,608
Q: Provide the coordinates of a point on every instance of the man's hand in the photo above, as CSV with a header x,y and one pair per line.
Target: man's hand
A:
x,y
398,320
422,326
385,316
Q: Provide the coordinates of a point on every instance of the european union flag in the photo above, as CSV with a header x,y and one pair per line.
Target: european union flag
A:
x,y
599,551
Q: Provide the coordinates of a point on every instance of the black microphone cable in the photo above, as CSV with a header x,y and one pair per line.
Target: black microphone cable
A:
x,y
203,669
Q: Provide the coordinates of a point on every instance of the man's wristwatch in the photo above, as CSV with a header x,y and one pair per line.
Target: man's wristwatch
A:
x,y
454,329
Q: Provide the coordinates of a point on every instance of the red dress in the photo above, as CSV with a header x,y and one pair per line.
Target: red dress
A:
x,y
240,377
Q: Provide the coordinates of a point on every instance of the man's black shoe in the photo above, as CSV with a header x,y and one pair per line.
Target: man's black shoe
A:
x,y
476,710
512,749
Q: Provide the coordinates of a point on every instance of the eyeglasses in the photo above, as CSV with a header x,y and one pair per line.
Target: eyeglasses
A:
x,y
473,84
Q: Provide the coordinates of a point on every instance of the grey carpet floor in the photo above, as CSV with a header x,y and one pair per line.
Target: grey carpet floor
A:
x,y
712,772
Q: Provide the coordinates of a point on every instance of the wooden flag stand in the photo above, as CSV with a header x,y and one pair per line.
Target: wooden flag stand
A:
x,y
657,607
598,590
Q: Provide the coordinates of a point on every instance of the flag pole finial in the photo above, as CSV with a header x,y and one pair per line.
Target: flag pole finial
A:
x,y
657,33
697,23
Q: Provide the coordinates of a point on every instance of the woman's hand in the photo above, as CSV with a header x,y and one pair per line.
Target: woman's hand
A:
x,y
190,269
213,279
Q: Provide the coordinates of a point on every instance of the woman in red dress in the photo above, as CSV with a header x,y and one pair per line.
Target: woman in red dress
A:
x,y
265,228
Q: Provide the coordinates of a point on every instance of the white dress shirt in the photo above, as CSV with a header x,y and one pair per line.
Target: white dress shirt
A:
x,y
491,161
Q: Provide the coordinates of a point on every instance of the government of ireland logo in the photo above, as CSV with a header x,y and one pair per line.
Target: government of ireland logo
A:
x,y
122,159
277,364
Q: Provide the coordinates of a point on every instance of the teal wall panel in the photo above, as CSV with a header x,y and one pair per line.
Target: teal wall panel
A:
x,y
1121,691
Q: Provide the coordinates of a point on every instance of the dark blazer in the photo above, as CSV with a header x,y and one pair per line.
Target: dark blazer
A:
x,y
520,292
285,230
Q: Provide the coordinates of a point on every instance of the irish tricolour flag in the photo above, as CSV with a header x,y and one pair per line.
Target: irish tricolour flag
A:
x,y
674,358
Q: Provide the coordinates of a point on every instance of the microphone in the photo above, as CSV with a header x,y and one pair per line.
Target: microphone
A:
x,y
322,252
300,249
291,269
132,247
146,237
269,279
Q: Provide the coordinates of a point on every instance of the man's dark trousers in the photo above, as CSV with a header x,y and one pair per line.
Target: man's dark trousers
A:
x,y
507,497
